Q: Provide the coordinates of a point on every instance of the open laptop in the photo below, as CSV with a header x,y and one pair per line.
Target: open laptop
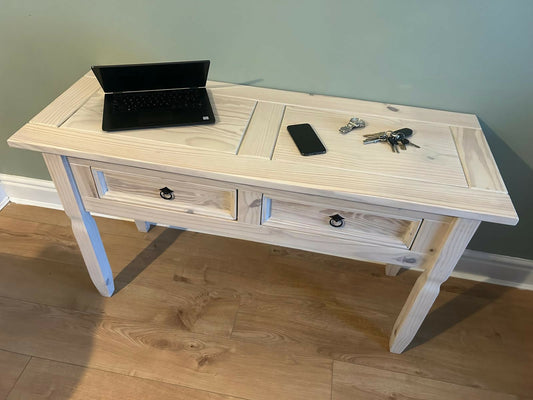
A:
x,y
154,95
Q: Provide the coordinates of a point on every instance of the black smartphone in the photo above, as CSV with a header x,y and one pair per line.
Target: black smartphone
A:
x,y
306,139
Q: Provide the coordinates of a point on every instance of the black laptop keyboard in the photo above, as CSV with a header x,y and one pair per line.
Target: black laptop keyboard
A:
x,y
167,100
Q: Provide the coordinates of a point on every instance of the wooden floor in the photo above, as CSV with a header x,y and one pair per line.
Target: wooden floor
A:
x,y
200,317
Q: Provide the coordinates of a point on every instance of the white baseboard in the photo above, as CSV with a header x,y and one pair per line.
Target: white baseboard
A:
x,y
473,265
495,268
30,191
4,198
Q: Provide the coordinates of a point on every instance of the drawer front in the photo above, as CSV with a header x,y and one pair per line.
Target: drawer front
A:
x,y
189,195
361,225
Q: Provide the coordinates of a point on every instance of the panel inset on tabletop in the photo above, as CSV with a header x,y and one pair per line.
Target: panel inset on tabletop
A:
x,y
437,159
232,116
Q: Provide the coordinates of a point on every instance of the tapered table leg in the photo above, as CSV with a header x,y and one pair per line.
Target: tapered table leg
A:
x,y
142,226
392,270
427,287
83,225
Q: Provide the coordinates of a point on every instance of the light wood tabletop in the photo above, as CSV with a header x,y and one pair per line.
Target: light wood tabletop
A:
x,y
243,177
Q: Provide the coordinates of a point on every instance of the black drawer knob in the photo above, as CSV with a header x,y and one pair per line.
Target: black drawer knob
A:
x,y
166,193
336,221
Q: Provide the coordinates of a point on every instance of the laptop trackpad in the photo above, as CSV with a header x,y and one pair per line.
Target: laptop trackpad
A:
x,y
156,117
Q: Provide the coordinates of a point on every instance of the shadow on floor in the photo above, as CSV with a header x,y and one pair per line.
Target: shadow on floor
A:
x,y
146,257
49,308
455,311
39,309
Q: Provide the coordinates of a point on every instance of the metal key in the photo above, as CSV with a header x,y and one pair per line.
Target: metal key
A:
x,y
405,132
401,143
382,138
397,138
393,143
401,137
407,141
352,124
376,135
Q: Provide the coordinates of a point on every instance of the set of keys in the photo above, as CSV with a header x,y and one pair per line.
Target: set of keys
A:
x,y
396,139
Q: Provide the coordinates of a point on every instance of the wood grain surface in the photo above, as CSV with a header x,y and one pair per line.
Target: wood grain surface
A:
x,y
357,224
349,106
360,382
62,108
480,168
441,177
436,161
178,357
427,286
353,185
57,381
232,116
11,367
82,223
188,196
205,317
262,132
438,170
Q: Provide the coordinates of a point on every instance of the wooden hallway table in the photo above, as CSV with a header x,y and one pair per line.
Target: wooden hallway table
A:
x,y
243,177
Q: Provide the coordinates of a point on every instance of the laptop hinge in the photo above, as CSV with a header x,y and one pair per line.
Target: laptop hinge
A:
x,y
156,90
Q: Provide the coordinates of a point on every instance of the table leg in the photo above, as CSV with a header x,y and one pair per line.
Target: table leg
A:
x,y
427,286
83,225
142,226
392,269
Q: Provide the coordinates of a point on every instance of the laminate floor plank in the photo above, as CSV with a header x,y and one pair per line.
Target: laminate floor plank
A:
x,y
59,218
60,278
35,214
171,304
51,380
466,340
109,226
168,355
365,383
11,367
206,306
47,242
476,335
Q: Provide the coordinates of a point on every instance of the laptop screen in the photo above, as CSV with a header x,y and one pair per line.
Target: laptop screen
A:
x,y
132,77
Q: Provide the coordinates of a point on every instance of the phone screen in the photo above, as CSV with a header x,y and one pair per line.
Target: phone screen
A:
x,y
306,139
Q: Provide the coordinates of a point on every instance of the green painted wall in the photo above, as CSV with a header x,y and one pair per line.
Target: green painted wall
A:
x,y
468,56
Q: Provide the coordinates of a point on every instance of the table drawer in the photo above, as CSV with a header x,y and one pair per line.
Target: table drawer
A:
x,y
358,224
137,186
